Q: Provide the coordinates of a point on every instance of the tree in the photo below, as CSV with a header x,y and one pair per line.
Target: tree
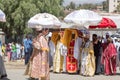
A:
x,y
105,5
87,6
71,6
18,12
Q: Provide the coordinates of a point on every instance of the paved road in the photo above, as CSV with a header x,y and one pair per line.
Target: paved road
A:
x,y
15,72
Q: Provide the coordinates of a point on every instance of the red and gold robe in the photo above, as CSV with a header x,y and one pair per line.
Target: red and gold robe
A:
x,y
71,62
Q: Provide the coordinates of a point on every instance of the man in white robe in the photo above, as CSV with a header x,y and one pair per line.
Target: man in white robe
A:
x,y
78,43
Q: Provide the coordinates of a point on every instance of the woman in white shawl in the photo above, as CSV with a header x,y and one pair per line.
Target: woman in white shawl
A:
x,y
87,58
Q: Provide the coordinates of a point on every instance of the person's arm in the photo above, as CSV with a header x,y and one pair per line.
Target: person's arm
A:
x,y
44,44
32,56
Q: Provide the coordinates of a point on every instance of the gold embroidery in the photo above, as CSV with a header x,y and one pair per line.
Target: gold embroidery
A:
x,y
43,63
73,71
72,63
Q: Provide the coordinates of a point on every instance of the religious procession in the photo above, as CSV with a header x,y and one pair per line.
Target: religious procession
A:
x,y
64,46
70,50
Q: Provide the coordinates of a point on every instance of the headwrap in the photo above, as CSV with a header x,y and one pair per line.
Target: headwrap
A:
x,y
49,34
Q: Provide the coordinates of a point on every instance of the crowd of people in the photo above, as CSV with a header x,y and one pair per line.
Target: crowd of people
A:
x,y
68,51
12,51
72,51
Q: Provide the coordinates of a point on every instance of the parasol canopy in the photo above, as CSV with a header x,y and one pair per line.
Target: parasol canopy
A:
x,y
44,20
105,23
83,18
71,26
2,16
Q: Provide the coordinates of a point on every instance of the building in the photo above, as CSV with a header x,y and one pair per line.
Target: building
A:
x,y
100,8
113,5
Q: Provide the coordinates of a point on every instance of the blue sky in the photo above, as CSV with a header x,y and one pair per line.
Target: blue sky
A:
x,y
66,2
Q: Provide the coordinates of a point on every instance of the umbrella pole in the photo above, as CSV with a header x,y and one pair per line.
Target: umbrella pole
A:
x,y
102,32
102,35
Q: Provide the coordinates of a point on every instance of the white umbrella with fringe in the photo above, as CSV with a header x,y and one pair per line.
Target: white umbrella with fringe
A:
x,y
83,18
44,20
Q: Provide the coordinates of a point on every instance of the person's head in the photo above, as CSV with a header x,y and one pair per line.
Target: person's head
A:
x,y
73,35
86,37
38,31
3,44
99,37
13,43
118,40
26,36
49,38
107,35
94,37
45,31
80,34
109,40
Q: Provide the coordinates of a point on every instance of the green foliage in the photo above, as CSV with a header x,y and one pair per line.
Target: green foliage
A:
x,y
87,6
81,6
71,6
105,5
18,12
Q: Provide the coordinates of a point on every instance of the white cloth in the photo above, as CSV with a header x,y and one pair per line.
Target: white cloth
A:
x,y
51,52
64,54
117,45
18,46
84,55
63,50
51,47
83,62
78,43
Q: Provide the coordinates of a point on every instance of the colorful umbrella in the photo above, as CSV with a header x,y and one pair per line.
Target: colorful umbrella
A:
x,y
44,20
2,16
105,23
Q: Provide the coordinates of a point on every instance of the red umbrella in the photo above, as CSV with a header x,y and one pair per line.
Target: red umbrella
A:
x,y
105,23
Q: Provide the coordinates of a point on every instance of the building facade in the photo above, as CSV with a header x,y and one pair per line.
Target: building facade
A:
x,y
113,5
